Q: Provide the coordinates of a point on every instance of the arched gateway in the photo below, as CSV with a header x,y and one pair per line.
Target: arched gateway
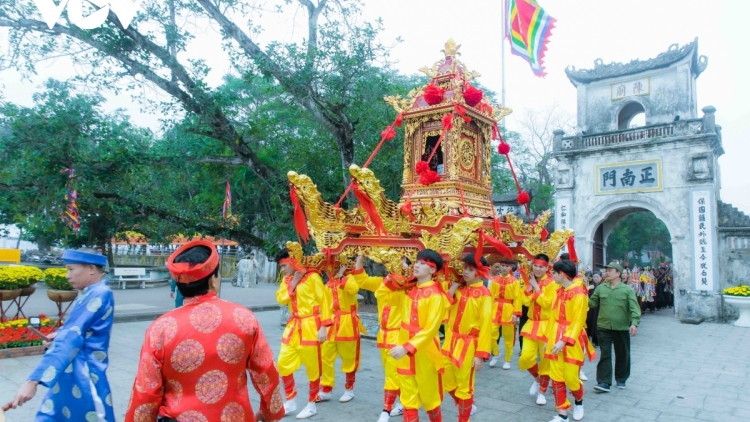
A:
x,y
610,169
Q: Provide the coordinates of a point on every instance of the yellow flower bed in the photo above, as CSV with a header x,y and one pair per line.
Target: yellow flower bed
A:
x,y
55,279
737,291
21,322
19,276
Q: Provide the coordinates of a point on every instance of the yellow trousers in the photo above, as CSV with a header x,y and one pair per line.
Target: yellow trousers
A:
x,y
391,381
532,350
561,371
291,357
349,353
509,338
459,380
425,389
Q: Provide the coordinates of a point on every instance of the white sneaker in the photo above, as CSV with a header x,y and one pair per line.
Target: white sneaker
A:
x,y
506,365
577,412
308,411
558,419
582,375
398,410
347,396
473,410
324,396
540,399
384,417
534,390
289,406
493,361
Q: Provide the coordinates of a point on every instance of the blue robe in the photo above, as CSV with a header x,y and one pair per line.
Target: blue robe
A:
x,y
77,360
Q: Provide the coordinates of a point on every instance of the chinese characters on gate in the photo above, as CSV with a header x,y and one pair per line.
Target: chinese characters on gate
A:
x,y
635,176
702,238
637,87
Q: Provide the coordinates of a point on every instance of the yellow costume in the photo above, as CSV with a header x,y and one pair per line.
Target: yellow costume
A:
x,y
343,335
540,306
467,335
567,323
506,295
424,308
389,318
308,311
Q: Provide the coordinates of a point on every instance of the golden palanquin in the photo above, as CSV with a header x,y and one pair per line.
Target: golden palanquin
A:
x,y
446,215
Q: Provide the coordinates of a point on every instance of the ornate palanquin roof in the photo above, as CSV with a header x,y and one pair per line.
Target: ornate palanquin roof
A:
x,y
674,54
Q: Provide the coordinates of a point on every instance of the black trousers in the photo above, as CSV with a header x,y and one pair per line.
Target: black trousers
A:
x,y
521,323
621,341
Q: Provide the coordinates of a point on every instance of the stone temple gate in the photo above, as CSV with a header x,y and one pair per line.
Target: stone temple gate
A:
x,y
668,166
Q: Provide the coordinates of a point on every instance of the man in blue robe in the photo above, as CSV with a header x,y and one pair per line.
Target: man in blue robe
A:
x,y
74,367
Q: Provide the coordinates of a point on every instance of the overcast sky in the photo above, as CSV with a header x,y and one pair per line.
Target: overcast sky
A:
x,y
613,30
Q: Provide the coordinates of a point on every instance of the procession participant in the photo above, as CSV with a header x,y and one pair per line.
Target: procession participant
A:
x,y
619,316
343,335
593,312
310,313
418,358
389,299
566,340
579,279
75,364
506,309
467,335
539,296
194,359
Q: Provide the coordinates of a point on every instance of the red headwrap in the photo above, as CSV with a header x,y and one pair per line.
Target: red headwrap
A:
x,y
540,262
293,262
185,272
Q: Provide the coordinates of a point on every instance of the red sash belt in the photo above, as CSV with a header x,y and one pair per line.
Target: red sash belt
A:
x,y
296,321
468,340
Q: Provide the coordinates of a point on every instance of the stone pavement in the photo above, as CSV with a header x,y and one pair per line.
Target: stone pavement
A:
x,y
135,304
680,372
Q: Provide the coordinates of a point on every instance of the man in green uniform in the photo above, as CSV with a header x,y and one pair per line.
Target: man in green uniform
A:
x,y
619,315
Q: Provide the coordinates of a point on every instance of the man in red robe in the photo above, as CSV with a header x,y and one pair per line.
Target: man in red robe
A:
x,y
195,359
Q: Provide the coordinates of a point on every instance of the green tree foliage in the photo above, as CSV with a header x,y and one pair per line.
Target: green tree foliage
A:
x,y
636,233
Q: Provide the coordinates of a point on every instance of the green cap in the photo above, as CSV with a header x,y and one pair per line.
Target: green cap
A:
x,y
616,266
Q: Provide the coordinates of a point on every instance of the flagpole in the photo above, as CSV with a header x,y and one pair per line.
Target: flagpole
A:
x,y
502,57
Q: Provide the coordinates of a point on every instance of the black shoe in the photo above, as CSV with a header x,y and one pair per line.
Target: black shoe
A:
x,y
602,387
621,385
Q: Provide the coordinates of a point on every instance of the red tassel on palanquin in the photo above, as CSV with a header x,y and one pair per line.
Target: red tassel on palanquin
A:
x,y
407,209
369,207
422,166
544,234
433,94
503,148
399,120
448,121
300,222
523,198
429,177
499,246
572,249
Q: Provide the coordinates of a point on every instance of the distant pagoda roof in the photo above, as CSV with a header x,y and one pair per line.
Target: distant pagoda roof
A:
x,y
612,70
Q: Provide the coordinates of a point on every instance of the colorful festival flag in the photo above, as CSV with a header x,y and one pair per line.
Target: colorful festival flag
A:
x,y
227,210
528,28
70,215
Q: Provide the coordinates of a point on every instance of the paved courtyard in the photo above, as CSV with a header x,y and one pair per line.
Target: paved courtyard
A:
x,y
680,372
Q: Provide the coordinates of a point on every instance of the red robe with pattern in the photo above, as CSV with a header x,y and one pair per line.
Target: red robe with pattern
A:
x,y
194,365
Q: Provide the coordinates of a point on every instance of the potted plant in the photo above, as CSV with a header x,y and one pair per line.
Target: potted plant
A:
x,y
739,296
28,277
10,283
59,289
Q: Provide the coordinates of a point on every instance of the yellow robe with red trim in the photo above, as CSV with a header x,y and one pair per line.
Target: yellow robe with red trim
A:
x,y
309,309
469,328
567,323
540,307
506,299
424,308
342,295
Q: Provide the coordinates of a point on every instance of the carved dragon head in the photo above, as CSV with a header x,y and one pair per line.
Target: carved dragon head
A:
x,y
367,181
306,189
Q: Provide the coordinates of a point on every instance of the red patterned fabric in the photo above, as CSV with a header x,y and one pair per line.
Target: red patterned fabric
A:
x,y
464,409
351,377
558,390
534,370
389,398
543,383
289,389
435,415
411,415
195,362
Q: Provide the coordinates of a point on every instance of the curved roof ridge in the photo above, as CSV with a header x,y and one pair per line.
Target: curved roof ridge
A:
x,y
674,54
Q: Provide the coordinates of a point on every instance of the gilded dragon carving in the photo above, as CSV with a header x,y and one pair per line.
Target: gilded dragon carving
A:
x,y
393,220
321,215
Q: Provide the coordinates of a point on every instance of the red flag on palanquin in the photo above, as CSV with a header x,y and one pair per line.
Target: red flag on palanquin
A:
x,y
528,27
